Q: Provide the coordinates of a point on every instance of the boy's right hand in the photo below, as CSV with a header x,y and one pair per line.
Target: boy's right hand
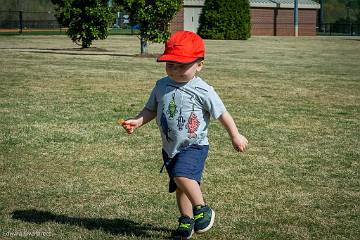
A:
x,y
129,125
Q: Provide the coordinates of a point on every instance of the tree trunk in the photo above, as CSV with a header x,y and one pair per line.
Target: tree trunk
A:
x,y
144,46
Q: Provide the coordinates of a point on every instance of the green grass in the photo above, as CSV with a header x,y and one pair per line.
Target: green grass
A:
x,y
68,172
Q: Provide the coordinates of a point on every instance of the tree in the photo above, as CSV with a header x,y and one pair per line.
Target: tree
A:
x,y
354,6
339,11
87,20
153,16
224,19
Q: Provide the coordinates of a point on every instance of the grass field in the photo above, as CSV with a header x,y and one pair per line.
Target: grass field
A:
x,y
68,172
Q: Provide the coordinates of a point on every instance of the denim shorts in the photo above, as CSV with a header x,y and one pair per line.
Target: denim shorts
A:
x,y
188,163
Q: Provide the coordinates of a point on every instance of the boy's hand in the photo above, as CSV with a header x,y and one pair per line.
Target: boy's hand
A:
x,y
144,117
129,125
239,142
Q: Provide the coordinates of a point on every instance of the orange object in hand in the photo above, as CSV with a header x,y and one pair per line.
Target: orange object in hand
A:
x,y
125,125
121,121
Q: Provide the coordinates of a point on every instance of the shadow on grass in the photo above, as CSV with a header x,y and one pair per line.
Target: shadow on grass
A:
x,y
116,226
93,51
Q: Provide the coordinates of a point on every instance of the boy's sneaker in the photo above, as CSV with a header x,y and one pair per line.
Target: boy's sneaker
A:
x,y
204,218
185,229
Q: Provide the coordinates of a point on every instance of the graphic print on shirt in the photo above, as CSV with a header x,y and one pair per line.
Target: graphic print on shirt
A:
x,y
180,121
164,126
172,108
193,124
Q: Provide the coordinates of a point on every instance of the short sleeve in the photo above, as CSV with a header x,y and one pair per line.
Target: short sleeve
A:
x,y
213,104
152,102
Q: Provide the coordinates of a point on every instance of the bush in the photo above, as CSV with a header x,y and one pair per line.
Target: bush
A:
x,y
224,19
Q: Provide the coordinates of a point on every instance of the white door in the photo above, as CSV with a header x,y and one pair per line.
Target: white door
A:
x,y
191,18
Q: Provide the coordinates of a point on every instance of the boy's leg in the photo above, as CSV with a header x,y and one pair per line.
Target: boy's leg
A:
x,y
191,189
184,204
186,221
187,193
203,215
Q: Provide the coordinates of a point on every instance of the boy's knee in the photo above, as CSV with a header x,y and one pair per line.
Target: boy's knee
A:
x,y
178,190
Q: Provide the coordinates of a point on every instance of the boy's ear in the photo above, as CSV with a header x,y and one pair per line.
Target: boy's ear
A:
x,y
200,65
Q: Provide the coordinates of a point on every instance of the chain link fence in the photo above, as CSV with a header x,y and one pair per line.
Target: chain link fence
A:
x,y
339,29
23,21
20,20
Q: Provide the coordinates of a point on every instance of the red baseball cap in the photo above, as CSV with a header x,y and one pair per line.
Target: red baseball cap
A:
x,y
183,47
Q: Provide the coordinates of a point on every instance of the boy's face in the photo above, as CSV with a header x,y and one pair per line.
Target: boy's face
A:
x,y
183,72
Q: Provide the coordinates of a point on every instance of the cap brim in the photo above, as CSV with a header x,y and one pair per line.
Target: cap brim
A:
x,y
177,59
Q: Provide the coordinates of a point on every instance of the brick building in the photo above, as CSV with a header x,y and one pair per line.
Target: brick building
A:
x,y
268,17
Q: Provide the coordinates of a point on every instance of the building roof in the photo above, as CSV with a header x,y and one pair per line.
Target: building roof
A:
x,y
303,4
262,3
290,3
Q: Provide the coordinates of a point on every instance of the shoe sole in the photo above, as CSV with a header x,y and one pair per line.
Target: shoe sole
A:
x,y
192,232
210,225
184,238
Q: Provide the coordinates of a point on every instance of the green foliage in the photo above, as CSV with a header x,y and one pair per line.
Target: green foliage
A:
x,y
153,16
224,19
340,11
87,20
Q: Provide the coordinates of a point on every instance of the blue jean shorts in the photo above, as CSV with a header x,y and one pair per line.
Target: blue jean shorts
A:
x,y
188,163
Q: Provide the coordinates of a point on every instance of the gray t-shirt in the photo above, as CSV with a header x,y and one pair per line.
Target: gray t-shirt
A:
x,y
183,112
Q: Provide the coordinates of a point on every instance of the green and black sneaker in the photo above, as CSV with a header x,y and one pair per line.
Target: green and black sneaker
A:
x,y
204,218
185,229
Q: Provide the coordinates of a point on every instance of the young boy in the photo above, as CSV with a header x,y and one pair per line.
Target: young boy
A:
x,y
182,104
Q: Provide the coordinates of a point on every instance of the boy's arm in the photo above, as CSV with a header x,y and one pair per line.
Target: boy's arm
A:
x,y
142,118
239,141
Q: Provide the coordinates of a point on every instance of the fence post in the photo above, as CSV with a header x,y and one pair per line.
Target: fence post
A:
x,y
21,23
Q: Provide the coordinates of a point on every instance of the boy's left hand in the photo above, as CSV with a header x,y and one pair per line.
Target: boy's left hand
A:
x,y
240,143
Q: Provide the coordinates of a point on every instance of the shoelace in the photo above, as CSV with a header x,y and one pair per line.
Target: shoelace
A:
x,y
198,216
185,225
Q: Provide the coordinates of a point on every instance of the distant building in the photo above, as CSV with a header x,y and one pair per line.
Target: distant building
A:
x,y
268,17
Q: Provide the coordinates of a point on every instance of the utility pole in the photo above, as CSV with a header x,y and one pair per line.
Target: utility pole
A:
x,y
21,22
20,11
348,19
296,18
321,16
